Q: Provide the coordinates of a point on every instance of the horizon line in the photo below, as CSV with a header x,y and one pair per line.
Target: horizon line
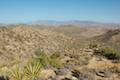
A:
x,y
27,22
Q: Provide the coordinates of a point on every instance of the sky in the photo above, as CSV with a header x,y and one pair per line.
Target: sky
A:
x,y
12,11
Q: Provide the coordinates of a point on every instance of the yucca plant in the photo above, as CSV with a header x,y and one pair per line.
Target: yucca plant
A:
x,y
32,70
16,74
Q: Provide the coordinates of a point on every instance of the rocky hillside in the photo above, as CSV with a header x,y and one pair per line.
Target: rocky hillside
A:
x,y
111,37
23,41
57,53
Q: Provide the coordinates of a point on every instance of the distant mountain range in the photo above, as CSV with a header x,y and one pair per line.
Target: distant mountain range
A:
x,y
75,22
2,24
71,22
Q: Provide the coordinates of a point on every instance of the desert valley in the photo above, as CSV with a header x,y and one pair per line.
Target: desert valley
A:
x,y
60,52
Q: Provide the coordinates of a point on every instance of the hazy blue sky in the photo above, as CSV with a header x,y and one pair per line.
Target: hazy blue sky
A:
x,y
33,10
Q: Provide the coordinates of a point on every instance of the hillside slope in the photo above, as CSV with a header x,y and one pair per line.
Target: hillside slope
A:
x,y
56,53
23,41
111,37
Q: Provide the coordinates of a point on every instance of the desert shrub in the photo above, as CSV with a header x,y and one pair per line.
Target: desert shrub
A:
x,y
32,70
104,50
108,52
43,59
47,60
54,60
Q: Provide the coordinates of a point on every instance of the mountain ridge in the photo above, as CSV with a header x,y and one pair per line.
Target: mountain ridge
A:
x,y
69,22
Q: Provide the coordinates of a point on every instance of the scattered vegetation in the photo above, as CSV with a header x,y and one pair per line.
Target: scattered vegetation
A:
x,y
48,61
108,52
105,51
32,69
70,44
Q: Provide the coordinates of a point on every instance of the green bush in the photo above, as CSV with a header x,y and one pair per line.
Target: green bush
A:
x,y
108,52
48,61
43,59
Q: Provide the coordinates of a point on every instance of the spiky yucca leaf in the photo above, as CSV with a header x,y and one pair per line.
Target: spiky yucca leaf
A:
x,y
32,70
16,74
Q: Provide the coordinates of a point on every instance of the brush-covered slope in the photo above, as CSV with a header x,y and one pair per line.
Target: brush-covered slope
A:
x,y
79,32
55,53
21,43
111,37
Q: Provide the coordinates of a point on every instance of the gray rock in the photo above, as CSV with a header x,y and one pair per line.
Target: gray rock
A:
x,y
83,75
62,71
103,73
4,78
